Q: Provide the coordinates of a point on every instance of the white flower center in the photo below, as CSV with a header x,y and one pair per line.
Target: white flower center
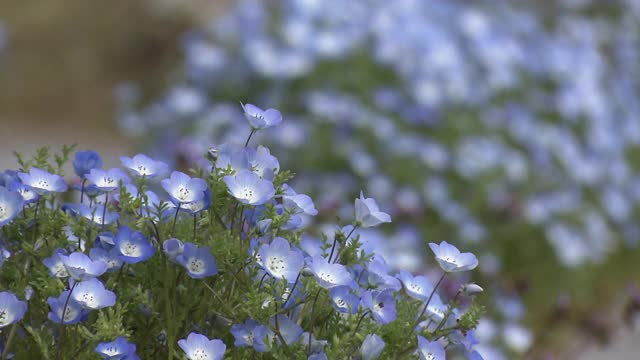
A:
x,y
247,193
69,314
327,277
89,300
277,266
143,170
183,193
3,213
43,184
130,249
196,266
199,354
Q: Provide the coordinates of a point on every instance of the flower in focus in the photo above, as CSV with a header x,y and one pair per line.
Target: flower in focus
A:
x,y
451,259
107,180
183,189
430,350
249,188
368,214
133,246
91,294
43,182
261,119
199,347
81,267
381,304
142,165
11,309
85,161
120,349
417,287
198,261
280,261
73,313
372,347
330,275
10,205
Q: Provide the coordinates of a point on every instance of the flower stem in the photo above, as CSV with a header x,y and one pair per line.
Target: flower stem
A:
x,y
104,209
84,181
175,219
62,320
249,138
413,329
335,238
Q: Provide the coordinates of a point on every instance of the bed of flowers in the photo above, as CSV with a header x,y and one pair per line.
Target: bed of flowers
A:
x,y
140,262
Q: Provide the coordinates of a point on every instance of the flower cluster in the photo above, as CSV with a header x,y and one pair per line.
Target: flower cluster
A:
x,y
213,263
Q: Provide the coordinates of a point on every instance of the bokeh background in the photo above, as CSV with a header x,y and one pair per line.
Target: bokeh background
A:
x,y
510,128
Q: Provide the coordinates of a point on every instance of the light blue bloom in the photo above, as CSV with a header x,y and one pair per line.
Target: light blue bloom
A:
x,y
134,247
198,261
371,347
10,205
430,350
451,260
418,287
330,275
343,300
249,188
263,163
172,248
244,333
119,349
381,304
11,309
74,313
183,189
288,328
301,202
81,267
108,180
280,261
91,294
43,182
56,265
261,119
368,214
85,161
29,196
143,166
112,257
199,347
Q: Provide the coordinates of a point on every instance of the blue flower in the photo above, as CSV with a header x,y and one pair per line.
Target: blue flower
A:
x,y
81,267
233,157
199,205
11,309
10,205
301,202
55,264
112,257
288,328
244,333
430,350
451,260
249,188
133,246
261,119
116,350
172,248
198,261
262,162
43,182
418,287
183,189
29,196
199,347
142,165
381,304
93,214
371,347
280,261
91,294
377,275
330,275
74,313
108,180
343,300
263,338
85,161
368,214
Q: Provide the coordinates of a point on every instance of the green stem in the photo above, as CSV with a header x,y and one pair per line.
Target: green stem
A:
x,y
9,340
413,329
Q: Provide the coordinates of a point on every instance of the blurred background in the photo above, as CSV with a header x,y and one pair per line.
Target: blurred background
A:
x,y
510,128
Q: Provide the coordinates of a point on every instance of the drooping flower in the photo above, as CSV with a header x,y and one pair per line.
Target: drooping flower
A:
x,y
233,157
172,248
451,259
10,205
134,247
81,267
119,349
249,188
418,287
85,161
381,304
112,257
198,261
199,347
142,165
430,350
261,119
343,300
197,206
11,309
368,214
29,196
74,312
378,275
183,189
301,202
108,180
371,347
92,294
330,275
43,182
244,333
280,261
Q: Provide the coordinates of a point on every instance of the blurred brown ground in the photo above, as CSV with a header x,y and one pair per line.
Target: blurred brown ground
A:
x,y
64,58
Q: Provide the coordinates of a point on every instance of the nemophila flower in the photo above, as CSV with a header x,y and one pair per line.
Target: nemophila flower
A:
x,y
29,196
105,240
7,177
381,304
142,165
43,182
81,267
112,257
343,300
199,347
263,338
280,261
430,350
368,214
371,347
10,205
261,119
85,161
73,242
108,180
264,226
317,346
471,289
92,294
119,349
74,313
262,162
133,246
198,261
233,157
172,248
244,333
378,275
249,188
93,213
301,202
330,275
11,309
199,205
288,328
318,356
55,264
183,189
451,260
436,309
418,287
